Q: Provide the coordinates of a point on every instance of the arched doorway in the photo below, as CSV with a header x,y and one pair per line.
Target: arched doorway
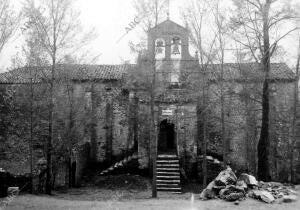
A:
x,y
166,137
73,174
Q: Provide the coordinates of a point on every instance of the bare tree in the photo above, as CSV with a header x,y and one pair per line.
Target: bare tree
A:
x,y
9,21
151,12
221,25
254,21
57,26
34,56
294,138
196,14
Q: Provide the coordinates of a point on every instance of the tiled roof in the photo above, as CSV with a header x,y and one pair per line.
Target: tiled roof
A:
x,y
236,72
69,71
232,71
250,71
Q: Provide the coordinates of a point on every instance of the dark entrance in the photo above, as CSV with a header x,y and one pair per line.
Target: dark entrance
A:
x,y
73,174
166,137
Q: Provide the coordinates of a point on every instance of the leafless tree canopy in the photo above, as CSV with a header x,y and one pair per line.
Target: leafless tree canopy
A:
x,y
8,22
57,27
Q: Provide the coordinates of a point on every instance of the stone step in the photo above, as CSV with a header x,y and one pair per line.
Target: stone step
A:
x,y
167,169
172,192
168,177
168,165
170,189
171,158
166,159
167,173
163,161
166,155
167,185
168,181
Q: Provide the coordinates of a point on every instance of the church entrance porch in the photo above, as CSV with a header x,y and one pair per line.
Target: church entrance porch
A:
x,y
166,137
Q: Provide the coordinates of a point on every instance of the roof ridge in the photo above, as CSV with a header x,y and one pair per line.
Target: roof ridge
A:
x,y
168,20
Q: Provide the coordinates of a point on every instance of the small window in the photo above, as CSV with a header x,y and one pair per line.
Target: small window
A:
x,y
159,49
88,99
176,47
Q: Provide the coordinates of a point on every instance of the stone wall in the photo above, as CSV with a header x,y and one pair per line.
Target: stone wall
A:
x,y
101,114
242,108
184,119
144,136
81,158
70,173
186,123
297,146
100,117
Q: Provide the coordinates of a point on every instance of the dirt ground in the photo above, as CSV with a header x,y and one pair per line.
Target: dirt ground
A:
x,y
47,203
130,193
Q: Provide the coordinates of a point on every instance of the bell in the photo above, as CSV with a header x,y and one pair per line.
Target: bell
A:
x,y
176,50
159,44
159,50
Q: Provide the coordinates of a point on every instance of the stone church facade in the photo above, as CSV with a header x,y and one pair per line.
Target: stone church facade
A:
x,y
113,116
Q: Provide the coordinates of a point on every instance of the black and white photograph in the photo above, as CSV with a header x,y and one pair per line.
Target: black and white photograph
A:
x,y
149,104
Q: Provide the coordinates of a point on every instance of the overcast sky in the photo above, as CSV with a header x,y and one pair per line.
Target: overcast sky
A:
x,y
109,17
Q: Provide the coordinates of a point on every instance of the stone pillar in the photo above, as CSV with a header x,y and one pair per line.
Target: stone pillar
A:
x,y
93,124
109,130
297,166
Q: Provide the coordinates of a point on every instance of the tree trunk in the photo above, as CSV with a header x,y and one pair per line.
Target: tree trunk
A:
x,y
51,133
224,139
204,145
263,147
294,138
93,124
204,163
135,123
31,132
109,131
199,126
153,135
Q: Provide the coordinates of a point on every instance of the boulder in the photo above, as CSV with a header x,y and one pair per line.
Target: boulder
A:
x,y
269,185
248,179
217,189
290,191
241,184
267,197
223,193
275,184
289,198
208,192
234,188
232,193
234,196
262,195
226,177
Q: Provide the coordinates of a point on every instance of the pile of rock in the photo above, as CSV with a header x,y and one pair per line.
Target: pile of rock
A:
x,y
275,191
230,188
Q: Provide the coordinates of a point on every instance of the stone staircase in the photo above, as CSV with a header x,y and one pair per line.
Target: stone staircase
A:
x,y
119,164
168,173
